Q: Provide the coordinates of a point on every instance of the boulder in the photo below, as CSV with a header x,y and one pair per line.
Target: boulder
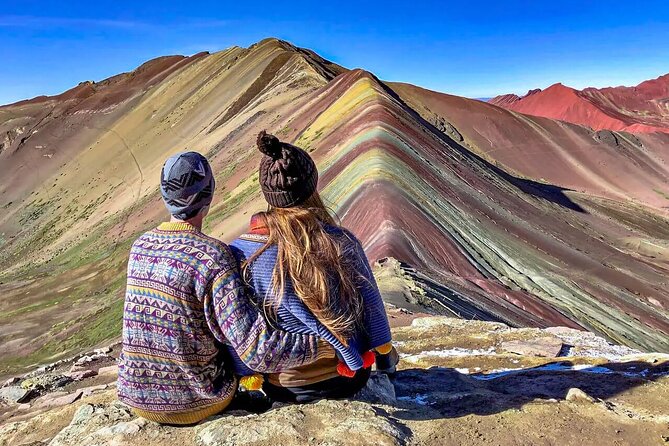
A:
x,y
93,425
100,353
577,395
81,374
46,382
84,360
44,369
584,343
58,399
325,422
15,394
378,390
61,381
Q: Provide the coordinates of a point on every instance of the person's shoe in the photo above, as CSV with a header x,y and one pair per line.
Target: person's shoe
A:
x,y
387,363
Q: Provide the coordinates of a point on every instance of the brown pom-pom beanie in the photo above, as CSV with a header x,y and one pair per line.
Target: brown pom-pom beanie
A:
x,y
288,175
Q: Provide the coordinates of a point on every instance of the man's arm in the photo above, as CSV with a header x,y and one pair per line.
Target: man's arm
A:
x,y
234,320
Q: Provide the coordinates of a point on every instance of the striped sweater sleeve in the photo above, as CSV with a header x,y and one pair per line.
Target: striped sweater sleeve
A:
x,y
235,321
376,319
296,308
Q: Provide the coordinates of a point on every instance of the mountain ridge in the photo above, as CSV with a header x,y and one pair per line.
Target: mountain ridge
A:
x,y
433,180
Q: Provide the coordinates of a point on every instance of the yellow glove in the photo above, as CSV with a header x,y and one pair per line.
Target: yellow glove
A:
x,y
253,382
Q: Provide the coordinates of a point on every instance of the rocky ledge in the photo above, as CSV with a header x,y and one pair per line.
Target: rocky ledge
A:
x,y
459,382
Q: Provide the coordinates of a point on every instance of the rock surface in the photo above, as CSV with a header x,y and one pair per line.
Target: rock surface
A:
x,y
59,399
546,346
455,385
14,394
575,394
11,382
81,374
329,422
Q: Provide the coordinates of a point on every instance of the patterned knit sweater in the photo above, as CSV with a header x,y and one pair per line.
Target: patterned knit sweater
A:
x,y
185,300
294,317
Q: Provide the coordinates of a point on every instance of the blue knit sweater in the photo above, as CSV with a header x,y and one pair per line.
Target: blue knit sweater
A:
x,y
294,317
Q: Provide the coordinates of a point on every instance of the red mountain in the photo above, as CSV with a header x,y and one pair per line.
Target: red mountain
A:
x,y
640,109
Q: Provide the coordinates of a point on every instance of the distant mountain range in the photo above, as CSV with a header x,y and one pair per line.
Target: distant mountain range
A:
x,y
644,108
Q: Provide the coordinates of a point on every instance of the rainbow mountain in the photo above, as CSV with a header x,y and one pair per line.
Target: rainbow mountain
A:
x,y
494,215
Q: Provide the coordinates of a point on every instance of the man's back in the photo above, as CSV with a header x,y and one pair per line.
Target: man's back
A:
x,y
170,360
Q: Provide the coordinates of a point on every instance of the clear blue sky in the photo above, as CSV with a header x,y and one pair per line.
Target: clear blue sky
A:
x,y
470,48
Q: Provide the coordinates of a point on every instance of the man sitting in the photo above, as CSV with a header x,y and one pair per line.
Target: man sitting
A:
x,y
184,300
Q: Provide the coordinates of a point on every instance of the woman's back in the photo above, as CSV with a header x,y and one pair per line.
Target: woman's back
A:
x,y
311,275
371,327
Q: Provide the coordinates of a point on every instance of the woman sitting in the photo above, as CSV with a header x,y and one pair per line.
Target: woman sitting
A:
x,y
312,276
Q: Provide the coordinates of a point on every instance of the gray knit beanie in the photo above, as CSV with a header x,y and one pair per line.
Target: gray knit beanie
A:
x,y
288,175
186,184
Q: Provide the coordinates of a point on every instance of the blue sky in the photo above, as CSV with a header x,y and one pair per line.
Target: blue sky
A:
x,y
470,48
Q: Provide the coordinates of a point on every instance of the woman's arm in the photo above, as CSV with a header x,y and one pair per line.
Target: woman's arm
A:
x,y
376,319
299,312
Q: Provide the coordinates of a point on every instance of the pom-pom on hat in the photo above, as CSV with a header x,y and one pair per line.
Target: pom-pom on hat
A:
x,y
288,175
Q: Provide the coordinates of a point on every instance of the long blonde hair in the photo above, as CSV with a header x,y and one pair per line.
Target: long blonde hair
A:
x,y
316,264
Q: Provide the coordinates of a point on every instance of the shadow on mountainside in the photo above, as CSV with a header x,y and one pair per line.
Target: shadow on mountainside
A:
x,y
439,392
548,192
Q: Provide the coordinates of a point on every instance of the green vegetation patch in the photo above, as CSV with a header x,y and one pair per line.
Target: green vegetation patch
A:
x,y
30,308
86,332
103,325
